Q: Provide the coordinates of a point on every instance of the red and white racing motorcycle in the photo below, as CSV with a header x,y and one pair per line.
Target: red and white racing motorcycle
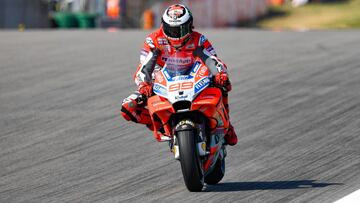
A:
x,y
193,118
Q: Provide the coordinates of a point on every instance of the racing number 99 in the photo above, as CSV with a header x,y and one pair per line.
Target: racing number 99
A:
x,y
181,86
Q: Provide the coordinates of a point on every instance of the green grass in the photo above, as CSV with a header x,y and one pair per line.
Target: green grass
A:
x,y
314,16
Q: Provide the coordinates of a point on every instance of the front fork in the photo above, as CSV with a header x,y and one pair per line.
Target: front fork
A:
x,y
200,139
207,146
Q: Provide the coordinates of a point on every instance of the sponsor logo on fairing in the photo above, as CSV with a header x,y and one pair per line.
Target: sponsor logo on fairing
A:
x,y
183,97
178,66
202,71
166,74
160,90
182,77
202,84
196,67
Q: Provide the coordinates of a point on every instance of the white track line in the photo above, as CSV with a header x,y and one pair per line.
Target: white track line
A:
x,y
351,198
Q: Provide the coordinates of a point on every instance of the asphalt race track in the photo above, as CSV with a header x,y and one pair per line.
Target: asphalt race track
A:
x,y
295,105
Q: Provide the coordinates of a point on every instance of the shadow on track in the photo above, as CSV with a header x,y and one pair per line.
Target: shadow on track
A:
x,y
274,185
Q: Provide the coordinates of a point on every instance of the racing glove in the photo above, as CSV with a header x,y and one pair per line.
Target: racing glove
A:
x,y
222,80
145,88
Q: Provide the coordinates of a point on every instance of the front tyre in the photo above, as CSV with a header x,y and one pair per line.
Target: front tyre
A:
x,y
190,161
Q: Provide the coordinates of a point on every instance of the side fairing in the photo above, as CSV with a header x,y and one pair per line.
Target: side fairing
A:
x,y
157,105
162,109
210,104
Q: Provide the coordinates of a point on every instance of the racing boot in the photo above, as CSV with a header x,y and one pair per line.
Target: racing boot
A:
x,y
231,137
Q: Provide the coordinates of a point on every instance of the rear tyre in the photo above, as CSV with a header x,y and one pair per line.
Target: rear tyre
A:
x,y
190,161
217,174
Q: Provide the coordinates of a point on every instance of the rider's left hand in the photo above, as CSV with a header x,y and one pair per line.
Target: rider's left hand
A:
x,y
222,80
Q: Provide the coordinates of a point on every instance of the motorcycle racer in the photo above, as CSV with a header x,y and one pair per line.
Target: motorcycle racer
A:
x,y
175,34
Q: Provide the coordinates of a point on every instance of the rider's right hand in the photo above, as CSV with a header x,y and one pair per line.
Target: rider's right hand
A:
x,y
145,88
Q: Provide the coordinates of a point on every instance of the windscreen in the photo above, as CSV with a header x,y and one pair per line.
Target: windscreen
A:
x,y
179,63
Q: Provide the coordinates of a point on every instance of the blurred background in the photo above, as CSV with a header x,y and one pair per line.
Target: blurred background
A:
x,y
273,14
295,102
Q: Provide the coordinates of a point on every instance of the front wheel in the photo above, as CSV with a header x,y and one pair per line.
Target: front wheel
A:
x,y
190,161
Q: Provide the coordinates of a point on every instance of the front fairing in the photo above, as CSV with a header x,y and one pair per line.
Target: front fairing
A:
x,y
175,82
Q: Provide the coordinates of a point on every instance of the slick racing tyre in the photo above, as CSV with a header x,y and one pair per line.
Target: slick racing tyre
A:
x,y
190,161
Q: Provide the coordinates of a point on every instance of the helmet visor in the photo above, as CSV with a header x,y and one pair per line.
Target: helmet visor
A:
x,y
176,32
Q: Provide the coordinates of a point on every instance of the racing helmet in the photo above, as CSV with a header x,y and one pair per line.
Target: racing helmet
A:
x,y
177,24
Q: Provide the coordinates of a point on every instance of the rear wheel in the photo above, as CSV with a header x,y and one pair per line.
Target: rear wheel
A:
x,y
217,174
190,161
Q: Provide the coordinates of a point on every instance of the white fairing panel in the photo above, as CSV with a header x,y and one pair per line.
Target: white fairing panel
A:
x,y
183,87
